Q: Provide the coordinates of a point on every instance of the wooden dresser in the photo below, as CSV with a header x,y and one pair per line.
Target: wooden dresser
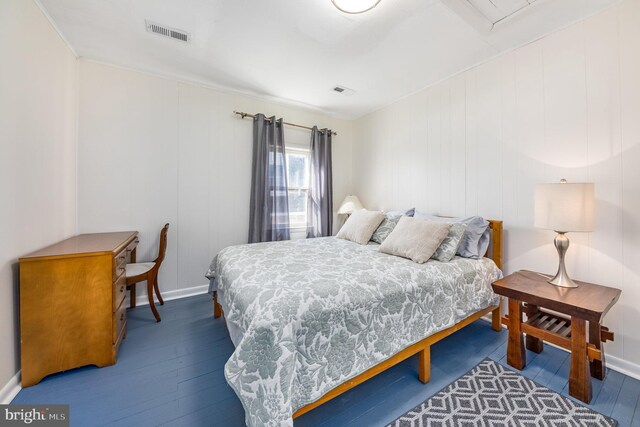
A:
x,y
72,310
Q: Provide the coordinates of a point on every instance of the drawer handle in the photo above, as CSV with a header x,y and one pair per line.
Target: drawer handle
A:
x,y
122,317
121,289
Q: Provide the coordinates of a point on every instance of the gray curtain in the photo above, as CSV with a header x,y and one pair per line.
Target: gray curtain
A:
x,y
320,204
269,216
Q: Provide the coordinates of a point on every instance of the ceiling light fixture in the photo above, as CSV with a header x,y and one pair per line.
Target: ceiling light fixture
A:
x,y
355,6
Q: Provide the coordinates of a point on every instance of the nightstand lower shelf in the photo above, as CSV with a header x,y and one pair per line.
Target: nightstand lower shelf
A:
x,y
542,325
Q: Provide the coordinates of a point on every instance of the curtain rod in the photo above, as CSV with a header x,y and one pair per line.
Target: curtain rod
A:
x,y
243,115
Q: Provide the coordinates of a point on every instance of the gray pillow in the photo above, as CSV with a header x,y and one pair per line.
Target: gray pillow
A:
x,y
416,239
389,223
385,228
449,246
475,240
401,212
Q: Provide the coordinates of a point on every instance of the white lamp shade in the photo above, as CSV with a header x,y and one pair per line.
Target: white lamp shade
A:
x,y
350,205
565,207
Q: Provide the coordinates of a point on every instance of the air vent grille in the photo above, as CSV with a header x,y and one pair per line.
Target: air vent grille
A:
x,y
343,90
165,31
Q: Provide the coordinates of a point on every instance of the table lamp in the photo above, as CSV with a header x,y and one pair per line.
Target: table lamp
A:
x,y
564,207
349,205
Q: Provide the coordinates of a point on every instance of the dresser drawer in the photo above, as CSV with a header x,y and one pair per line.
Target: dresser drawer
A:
x,y
119,319
119,291
119,264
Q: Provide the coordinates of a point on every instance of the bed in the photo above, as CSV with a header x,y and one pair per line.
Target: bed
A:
x,y
312,318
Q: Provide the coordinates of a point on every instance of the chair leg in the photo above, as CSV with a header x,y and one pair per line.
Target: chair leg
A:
x,y
155,287
150,281
132,296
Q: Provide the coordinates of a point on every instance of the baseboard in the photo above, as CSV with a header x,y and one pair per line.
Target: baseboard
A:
x,y
623,366
10,389
617,364
142,299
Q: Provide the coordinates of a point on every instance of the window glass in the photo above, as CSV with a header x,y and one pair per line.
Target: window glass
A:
x,y
297,170
298,180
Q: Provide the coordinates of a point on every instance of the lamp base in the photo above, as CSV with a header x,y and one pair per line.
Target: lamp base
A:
x,y
561,278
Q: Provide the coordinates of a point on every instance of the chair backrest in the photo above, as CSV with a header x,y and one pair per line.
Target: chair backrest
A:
x,y
163,245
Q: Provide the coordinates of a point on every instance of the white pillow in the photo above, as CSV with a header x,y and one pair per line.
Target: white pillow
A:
x,y
416,239
360,226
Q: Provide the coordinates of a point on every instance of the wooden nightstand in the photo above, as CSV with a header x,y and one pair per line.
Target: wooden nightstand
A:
x,y
588,303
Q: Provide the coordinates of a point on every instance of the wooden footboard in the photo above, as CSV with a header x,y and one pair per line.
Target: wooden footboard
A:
x,y
422,348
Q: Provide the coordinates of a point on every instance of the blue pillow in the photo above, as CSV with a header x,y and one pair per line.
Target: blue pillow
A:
x,y
475,240
483,243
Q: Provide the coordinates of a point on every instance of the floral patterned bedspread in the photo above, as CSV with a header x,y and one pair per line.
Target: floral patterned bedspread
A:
x,y
314,313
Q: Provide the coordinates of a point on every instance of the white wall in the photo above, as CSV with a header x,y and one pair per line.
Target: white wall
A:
x,y
38,105
565,106
154,150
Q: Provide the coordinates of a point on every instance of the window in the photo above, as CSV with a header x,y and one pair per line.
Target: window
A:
x,y
298,180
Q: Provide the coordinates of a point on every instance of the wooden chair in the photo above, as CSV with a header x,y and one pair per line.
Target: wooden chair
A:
x,y
147,271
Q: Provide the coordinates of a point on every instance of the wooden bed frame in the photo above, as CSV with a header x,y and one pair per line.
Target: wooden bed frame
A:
x,y
421,348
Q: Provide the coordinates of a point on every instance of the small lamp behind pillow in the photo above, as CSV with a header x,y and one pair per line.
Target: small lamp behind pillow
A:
x,y
349,205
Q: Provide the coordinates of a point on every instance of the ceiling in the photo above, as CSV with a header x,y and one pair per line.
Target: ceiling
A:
x,y
296,51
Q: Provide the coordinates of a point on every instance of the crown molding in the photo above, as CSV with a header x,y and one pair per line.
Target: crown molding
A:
x,y
55,27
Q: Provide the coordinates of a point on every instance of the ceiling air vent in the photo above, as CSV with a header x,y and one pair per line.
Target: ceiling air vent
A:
x,y
165,31
343,90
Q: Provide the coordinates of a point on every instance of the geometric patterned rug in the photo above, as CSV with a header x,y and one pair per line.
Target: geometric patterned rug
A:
x,y
492,395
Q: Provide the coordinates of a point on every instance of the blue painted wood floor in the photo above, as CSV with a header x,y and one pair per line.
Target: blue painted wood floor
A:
x,y
171,373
